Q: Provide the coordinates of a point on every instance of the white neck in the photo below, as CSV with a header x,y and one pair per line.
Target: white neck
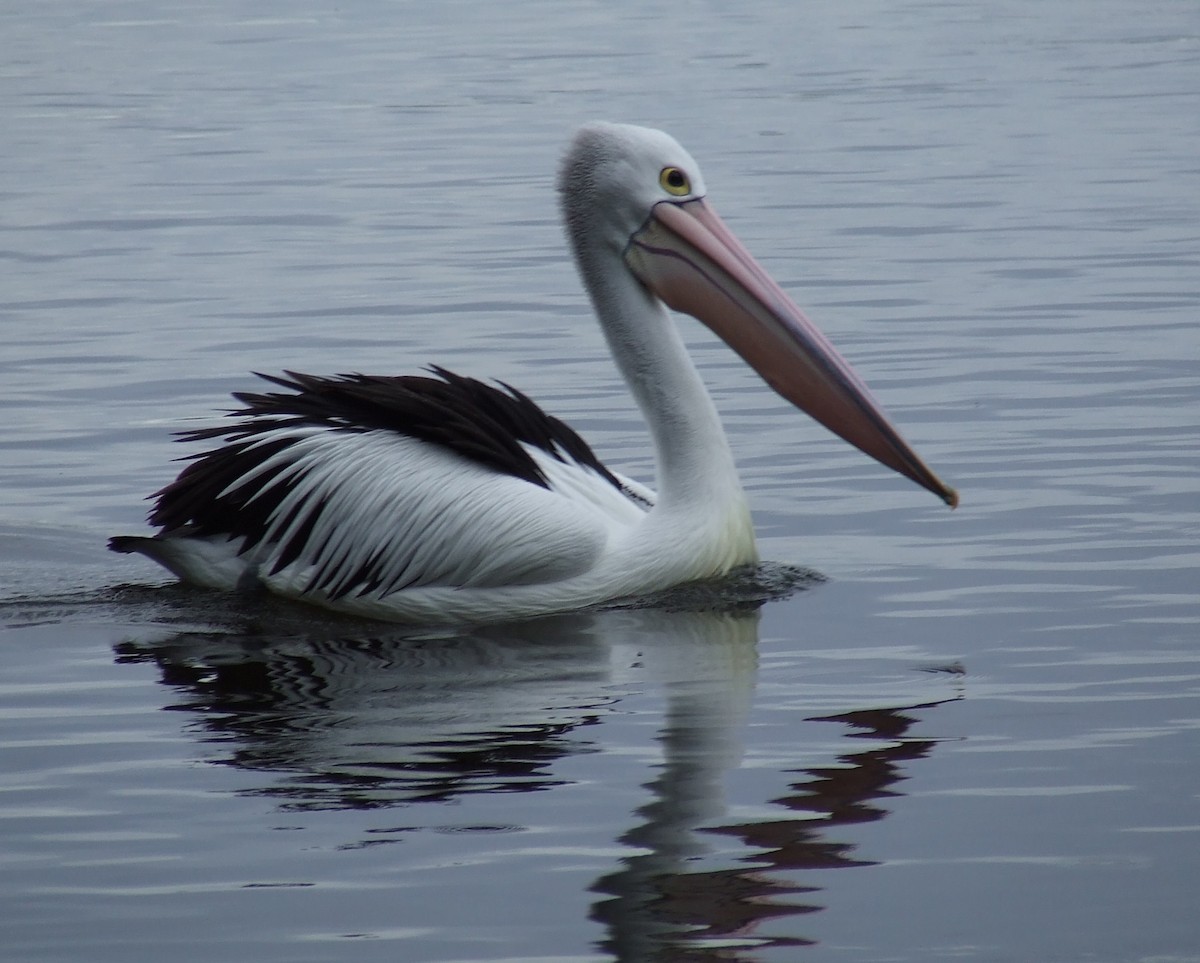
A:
x,y
694,465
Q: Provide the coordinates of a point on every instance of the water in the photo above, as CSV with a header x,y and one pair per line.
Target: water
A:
x,y
977,739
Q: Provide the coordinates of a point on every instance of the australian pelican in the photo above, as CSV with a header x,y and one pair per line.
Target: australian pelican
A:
x,y
441,499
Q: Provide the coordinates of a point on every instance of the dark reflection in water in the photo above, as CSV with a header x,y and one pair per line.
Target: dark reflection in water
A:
x,y
661,910
390,720
376,722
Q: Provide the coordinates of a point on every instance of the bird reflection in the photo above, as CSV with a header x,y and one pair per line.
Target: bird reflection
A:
x,y
662,906
364,723
377,722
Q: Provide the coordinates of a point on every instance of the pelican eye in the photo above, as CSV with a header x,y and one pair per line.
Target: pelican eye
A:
x,y
674,181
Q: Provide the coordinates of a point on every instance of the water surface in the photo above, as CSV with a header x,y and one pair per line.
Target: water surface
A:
x,y
976,739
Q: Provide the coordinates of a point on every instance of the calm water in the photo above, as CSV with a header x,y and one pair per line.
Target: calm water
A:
x,y
978,739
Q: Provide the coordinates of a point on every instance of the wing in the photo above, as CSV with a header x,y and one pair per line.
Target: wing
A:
x,y
333,491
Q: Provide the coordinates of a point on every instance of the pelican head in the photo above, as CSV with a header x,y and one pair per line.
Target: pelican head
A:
x,y
634,194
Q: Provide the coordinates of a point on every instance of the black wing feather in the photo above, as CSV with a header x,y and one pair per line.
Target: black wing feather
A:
x,y
478,421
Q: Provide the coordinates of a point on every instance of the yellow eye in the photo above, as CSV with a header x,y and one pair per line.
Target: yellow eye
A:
x,y
674,181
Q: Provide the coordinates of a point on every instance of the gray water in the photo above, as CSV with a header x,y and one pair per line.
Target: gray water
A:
x,y
976,739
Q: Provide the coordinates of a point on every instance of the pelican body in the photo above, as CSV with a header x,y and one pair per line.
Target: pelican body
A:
x,y
438,499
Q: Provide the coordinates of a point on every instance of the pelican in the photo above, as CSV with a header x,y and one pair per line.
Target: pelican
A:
x,y
439,499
